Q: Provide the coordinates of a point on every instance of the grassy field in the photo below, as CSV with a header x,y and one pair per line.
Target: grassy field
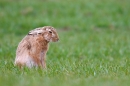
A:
x,y
94,46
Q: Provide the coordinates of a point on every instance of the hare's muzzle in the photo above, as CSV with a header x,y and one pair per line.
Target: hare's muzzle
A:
x,y
57,40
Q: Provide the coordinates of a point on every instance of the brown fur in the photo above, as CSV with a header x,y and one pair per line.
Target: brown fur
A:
x,y
32,49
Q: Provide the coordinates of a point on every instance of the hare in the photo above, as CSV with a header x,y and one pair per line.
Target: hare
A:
x,y
31,51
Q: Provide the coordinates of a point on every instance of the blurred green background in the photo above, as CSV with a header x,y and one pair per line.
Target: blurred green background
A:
x,y
94,46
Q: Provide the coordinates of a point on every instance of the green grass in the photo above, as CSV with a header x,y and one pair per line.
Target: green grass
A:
x,y
94,46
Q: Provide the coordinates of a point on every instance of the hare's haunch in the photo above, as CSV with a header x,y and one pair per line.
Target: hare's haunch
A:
x,y
31,51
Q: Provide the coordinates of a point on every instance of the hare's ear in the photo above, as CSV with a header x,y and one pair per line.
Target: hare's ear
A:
x,y
35,31
47,28
32,32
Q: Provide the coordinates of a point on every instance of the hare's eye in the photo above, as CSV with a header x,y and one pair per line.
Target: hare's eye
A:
x,y
39,33
50,32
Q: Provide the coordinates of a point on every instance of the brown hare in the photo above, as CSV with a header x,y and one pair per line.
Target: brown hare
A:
x,y
31,51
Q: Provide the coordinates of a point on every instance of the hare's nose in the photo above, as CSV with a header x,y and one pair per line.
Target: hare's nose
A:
x,y
57,39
